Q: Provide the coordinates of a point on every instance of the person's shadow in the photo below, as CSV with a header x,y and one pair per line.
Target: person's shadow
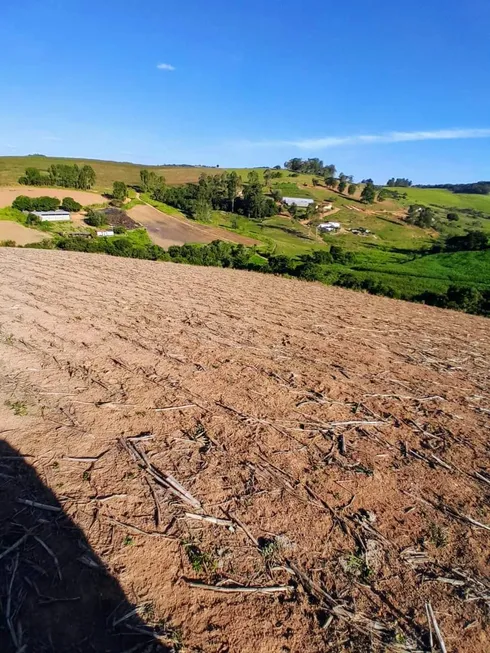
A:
x,y
56,596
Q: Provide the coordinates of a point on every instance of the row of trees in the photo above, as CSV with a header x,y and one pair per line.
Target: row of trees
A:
x,y
476,188
64,175
44,203
313,166
420,216
401,182
225,192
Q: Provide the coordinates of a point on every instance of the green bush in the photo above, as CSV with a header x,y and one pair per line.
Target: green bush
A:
x,y
22,203
95,218
69,204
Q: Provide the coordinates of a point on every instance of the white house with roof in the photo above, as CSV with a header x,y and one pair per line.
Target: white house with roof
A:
x,y
301,202
53,216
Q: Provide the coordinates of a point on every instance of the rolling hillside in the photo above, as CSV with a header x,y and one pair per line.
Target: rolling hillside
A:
x,y
219,460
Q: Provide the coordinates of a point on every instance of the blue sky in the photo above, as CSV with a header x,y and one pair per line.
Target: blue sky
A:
x,y
379,88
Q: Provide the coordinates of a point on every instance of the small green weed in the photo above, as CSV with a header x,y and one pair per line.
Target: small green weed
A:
x,y
55,465
357,566
86,475
19,407
199,560
128,541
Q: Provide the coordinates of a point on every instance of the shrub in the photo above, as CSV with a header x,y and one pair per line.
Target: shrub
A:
x,y
120,230
117,203
22,203
69,204
452,217
95,218
119,190
8,243
33,220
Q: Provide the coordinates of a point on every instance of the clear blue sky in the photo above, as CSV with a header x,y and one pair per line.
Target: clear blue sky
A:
x,y
254,82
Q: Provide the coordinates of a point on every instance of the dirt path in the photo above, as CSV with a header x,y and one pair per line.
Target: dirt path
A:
x,y
20,234
84,197
166,230
342,437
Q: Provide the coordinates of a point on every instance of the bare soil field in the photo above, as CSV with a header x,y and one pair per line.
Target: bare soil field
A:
x,y
84,197
20,234
166,230
200,459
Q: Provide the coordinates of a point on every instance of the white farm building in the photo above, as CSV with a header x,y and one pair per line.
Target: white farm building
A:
x,y
53,216
329,226
301,202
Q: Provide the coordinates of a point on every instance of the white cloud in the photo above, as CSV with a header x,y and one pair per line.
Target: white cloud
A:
x,y
165,66
390,137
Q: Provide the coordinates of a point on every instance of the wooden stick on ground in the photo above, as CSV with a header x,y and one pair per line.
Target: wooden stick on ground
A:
x,y
271,589
437,630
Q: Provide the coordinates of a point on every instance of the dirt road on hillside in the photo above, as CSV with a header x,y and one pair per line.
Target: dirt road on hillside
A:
x,y
166,230
224,461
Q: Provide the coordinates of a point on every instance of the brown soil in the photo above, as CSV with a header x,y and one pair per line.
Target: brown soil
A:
x,y
166,230
344,436
84,197
20,234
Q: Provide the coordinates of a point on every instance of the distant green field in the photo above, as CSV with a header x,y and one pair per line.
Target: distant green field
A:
x,y
445,198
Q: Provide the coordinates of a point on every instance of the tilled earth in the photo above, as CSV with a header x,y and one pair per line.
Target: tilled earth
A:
x,y
335,443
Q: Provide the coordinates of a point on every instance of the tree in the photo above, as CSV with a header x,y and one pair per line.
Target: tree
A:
x,y
69,204
368,195
331,182
150,181
267,176
33,220
421,216
86,177
352,189
293,210
452,217
382,195
294,164
22,203
315,181
342,186
473,240
33,177
119,190
202,210
233,184
253,197
277,167
95,218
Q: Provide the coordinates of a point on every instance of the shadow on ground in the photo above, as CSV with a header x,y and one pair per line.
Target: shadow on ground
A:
x,y
56,594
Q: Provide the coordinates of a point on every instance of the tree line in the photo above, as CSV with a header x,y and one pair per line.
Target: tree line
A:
x,y
476,188
64,175
44,203
224,192
402,182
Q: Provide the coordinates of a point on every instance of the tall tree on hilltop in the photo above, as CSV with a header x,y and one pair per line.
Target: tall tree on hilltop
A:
x,y
352,189
368,194
342,186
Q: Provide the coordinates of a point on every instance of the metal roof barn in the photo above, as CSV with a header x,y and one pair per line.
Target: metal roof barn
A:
x,y
301,202
53,216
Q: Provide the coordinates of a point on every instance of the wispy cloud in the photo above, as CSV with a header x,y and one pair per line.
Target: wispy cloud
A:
x,y
165,66
363,139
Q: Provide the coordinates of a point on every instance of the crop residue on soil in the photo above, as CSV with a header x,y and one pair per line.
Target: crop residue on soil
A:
x,y
212,430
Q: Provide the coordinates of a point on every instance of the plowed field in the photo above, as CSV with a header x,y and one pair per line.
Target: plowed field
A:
x,y
215,460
